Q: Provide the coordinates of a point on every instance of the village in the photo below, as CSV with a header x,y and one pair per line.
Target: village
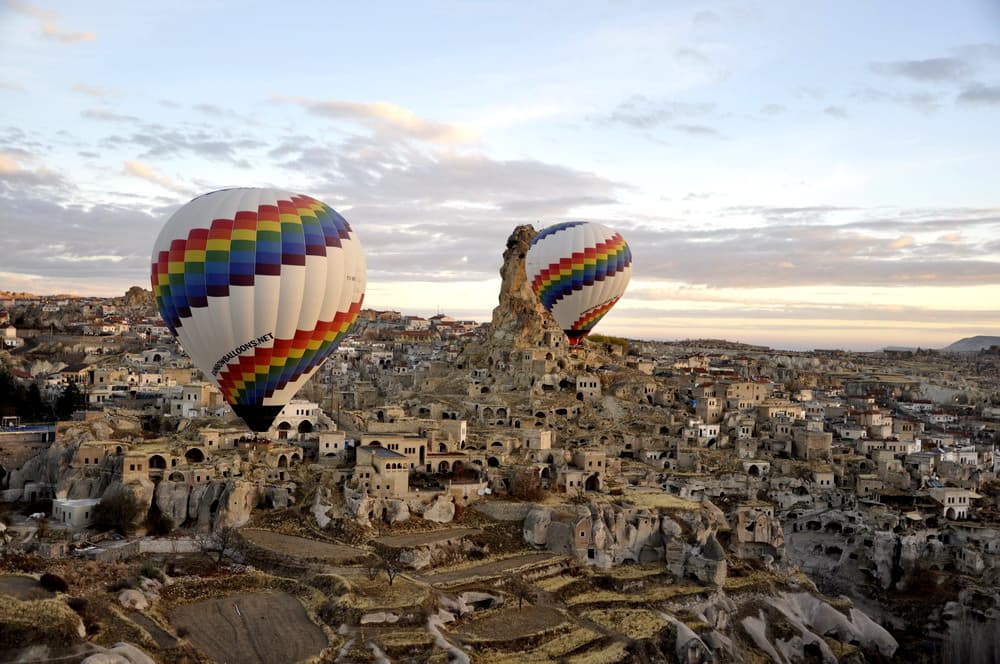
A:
x,y
700,477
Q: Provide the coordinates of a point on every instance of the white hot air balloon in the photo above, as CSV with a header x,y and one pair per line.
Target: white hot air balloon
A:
x,y
578,270
259,286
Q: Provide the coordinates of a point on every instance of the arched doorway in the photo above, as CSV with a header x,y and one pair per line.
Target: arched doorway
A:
x,y
282,461
157,462
593,483
305,426
194,455
443,467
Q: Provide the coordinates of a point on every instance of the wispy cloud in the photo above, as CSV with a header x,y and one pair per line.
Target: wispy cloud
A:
x,y
18,167
106,115
641,112
932,69
977,93
47,21
94,91
146,172
386,118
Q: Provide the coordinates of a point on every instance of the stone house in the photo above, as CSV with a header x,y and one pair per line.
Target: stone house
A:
x,y
74,513
824,479
953,502
756,533
811,443
868,486
380,472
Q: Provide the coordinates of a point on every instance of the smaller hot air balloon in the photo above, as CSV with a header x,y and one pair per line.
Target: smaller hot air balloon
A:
x,y
578,270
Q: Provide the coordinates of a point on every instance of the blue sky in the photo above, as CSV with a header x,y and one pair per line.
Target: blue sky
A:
x,y
797,174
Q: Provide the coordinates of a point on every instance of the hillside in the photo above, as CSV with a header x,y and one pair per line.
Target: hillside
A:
x,y
972,344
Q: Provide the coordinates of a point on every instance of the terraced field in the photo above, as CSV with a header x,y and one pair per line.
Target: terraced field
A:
x,y
301,547
256,628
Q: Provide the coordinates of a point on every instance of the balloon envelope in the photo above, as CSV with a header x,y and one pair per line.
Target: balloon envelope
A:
x,y
578,270
259,286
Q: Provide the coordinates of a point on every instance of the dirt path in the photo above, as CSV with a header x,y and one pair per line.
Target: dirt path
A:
x,y
163,638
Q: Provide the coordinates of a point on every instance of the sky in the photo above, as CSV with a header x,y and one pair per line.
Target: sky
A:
x,y
795,174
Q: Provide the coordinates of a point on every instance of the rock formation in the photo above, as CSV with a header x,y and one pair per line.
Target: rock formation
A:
x,y
519,320
607,535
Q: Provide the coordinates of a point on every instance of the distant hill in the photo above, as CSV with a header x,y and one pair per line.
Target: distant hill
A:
x,y
972,344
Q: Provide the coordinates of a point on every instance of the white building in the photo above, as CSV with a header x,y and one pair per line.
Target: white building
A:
x,y
74,513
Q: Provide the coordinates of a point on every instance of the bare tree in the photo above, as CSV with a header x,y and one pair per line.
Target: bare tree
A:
x,y
519,588
389,562
526,485
373,566
222,543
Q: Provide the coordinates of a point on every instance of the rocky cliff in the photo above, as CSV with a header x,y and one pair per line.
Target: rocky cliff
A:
x,y
519,320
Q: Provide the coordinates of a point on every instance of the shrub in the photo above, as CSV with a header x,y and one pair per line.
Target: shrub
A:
x,y
151,570
158,523
78,604
53,583
118,511
119,585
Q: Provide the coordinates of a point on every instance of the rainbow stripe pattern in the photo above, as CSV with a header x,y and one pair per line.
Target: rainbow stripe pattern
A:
x,y
582,268
232,252
249,379
591,317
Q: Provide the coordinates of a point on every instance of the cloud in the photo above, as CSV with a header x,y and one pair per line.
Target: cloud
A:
x,y
48,25
54,241
698,130
146,172
94,91
641,112
836,112
772,109
158,142
690,56
416,209
388,119
14,87
932,69
105,115
15,171
705,18
807,250
977,93
951,237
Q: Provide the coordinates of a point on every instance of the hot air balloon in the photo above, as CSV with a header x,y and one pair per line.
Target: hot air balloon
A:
x,y
578,270
259,286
